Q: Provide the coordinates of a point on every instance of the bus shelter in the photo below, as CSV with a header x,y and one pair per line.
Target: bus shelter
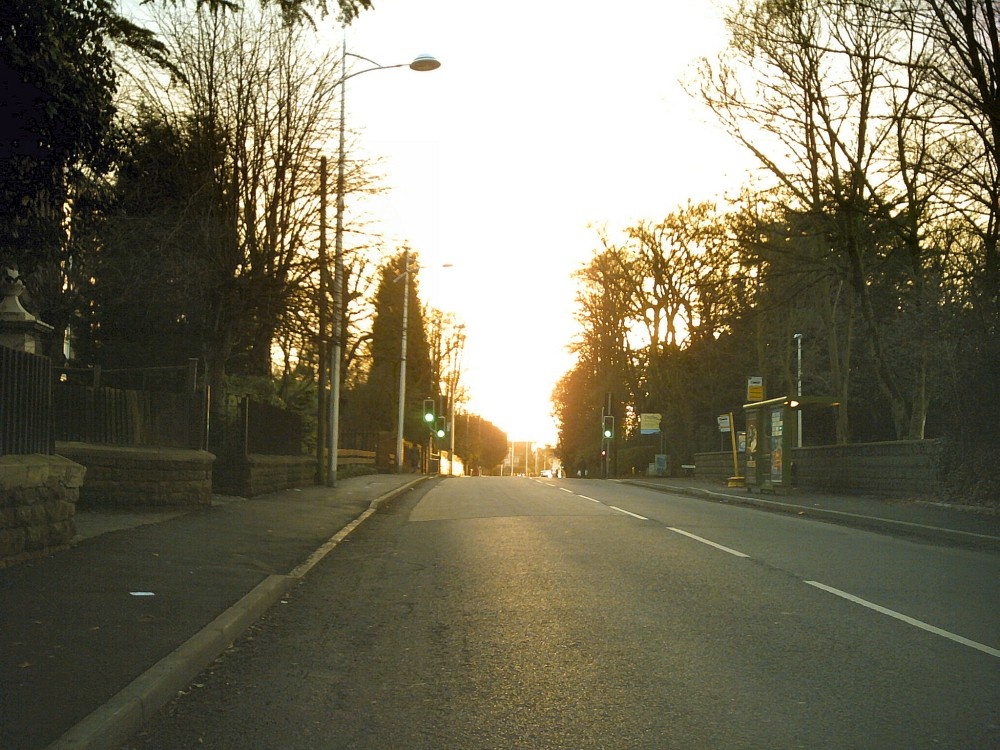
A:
x,y
771,433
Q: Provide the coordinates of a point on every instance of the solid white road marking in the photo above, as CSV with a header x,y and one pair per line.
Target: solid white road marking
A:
x,y
908,620
628,513
709,543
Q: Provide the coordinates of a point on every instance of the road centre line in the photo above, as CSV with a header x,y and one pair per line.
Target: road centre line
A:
x,y
589,498
566,490
908,620
709,543
628,513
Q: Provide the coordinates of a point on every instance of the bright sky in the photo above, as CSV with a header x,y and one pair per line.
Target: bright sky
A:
x,y
545,120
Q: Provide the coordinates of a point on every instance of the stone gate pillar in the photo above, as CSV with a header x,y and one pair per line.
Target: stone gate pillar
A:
x,y
19,329
38,491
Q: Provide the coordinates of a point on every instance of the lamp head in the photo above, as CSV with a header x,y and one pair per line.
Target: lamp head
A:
x,y
423,63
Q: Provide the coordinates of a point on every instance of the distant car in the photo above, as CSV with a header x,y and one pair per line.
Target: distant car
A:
x,y
547,473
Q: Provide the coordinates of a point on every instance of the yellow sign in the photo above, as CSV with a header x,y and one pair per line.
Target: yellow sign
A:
x,y
649,424
755,389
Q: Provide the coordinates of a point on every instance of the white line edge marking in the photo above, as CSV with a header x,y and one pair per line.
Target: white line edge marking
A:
x,y
709,543
827,511
628,513
908,620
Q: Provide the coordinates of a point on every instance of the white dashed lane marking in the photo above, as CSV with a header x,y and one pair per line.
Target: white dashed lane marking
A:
x,y
628,513
908,620
709,543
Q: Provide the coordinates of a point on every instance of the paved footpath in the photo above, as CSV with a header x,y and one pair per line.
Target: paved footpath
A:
x,y
100,636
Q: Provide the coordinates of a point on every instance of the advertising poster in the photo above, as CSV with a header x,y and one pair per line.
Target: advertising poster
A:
x,y
777,429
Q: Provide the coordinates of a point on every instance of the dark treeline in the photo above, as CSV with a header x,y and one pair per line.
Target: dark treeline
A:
x,y
162,193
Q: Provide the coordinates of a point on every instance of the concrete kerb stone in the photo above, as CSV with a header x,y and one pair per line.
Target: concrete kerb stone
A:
x,y
132,707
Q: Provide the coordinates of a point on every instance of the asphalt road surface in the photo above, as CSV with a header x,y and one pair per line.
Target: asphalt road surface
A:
x,y
521,613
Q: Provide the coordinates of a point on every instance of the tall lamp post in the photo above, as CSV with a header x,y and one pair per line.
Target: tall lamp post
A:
x,y
460,346
421,63
798,388
401,407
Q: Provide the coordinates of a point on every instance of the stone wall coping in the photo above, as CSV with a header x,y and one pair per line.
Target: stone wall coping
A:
x,y
38,469
152,454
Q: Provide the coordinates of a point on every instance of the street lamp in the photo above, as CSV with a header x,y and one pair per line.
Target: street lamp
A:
x,y
421,63
798,388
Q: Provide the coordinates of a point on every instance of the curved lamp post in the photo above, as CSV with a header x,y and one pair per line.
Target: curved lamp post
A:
x,y
421,63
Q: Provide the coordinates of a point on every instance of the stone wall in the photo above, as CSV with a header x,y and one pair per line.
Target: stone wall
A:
x,y
259,474
38,496
715,466
900,468
120,477
262,474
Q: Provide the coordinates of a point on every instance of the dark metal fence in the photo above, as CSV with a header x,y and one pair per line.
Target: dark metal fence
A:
x,y
244,426
112,416
360,440
25,403
150,407
167,379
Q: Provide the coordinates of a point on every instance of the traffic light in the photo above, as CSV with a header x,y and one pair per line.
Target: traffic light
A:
x,y
609,427
428,411
440,432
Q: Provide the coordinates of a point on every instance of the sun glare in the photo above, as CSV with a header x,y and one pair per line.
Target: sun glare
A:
x,y
497,164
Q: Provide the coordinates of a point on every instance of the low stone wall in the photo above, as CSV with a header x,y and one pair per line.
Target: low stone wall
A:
x,y
715,466
119,477
899,468
266,474
259,474
38,496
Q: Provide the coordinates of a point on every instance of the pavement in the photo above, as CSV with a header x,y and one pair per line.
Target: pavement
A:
x,y
100,636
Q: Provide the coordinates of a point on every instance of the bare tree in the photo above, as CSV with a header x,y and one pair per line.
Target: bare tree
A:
x,y
964,78
255,95
822,93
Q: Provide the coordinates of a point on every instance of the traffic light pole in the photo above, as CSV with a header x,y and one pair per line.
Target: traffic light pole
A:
x,y
607,438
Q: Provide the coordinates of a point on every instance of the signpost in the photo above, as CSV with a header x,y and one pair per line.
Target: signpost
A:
x,y
726,425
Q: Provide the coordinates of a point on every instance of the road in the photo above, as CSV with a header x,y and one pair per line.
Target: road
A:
x,y
523,613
